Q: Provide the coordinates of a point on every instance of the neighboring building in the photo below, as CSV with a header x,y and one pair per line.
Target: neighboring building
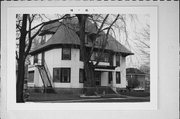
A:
x,y
57,62
141,77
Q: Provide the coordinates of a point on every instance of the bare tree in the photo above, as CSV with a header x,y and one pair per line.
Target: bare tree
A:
x,y
24,37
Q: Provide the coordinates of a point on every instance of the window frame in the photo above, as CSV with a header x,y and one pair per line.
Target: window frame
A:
x,y
59,80
118,81
30,81
62,56
110,77
68,75
104,58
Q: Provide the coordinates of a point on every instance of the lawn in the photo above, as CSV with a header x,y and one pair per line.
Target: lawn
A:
x,y
135,94
56,97
37,97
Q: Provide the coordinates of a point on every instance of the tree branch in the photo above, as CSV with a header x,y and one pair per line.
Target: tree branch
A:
x,y
106,38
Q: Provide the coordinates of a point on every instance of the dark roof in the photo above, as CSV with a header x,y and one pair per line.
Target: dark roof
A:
x,y
134,71
66,35
50,28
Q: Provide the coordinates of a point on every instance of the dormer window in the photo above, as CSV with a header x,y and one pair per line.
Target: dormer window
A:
x,y
66,53
43,39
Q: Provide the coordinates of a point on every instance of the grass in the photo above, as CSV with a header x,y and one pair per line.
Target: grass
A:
x,y
136,94
37,97
56,97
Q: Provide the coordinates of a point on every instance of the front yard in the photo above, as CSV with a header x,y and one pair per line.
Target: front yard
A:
x,y
61,98
135,94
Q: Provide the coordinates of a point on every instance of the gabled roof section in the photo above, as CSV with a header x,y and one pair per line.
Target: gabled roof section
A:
x,y
65,33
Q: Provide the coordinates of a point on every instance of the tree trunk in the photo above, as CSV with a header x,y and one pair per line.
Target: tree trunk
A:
x,y
89,82
21,61
89,73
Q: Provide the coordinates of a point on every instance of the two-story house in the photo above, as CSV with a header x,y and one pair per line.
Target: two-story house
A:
x,y
56,61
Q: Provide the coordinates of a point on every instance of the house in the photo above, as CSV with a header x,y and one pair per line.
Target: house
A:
x,y
56,61
142,78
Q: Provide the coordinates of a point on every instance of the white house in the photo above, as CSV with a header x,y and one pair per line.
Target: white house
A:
x,y
56,61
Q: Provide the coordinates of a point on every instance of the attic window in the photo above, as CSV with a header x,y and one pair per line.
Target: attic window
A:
x,y
66,54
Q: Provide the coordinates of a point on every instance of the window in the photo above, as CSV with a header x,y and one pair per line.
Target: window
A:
x,y
56,74
117,60
43,39
31,76
66,54
61,75
118,78
65,75
110,77
103,57
35,58
81,75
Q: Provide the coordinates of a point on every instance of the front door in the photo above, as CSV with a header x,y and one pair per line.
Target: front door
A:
x,y
98,78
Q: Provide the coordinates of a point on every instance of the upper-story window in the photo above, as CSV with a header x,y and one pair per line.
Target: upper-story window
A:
x,y
66,53
36,58
104,57
43,39
117,60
